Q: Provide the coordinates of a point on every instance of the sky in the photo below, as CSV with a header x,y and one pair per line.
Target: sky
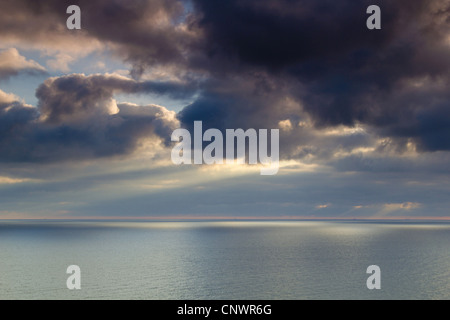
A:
x,y
86,116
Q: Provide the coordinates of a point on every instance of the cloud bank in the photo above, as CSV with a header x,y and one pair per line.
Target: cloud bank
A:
x,y
366,111
78,118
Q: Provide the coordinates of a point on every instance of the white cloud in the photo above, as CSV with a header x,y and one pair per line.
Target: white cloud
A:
x,y
12,62
8,180
61,62
285,125
8,97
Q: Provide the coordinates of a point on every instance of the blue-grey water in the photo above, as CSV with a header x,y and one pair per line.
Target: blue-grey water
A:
x,y
224,260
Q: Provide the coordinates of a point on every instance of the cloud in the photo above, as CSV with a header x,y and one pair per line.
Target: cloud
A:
x,y
41,26
304,67
8,180
61,62
401,206
7,98
12,63
389,208
297,61
78,118
363,114
71,97
394,81
143,33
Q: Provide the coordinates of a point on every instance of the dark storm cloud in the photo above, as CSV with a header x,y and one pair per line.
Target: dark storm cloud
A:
x,y
340,72
77,118
253,101
420,113
316,38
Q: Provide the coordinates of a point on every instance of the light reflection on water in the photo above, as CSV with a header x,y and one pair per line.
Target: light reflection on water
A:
x,y
224,260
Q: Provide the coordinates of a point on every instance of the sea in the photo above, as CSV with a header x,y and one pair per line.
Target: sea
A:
x,y
232,260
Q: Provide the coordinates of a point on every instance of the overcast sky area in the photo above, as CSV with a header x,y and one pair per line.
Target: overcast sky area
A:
x,y
86,116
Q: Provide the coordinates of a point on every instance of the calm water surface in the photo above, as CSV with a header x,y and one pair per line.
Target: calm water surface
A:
x,y
224,260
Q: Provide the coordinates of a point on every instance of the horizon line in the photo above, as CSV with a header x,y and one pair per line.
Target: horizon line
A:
x,y
223,218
